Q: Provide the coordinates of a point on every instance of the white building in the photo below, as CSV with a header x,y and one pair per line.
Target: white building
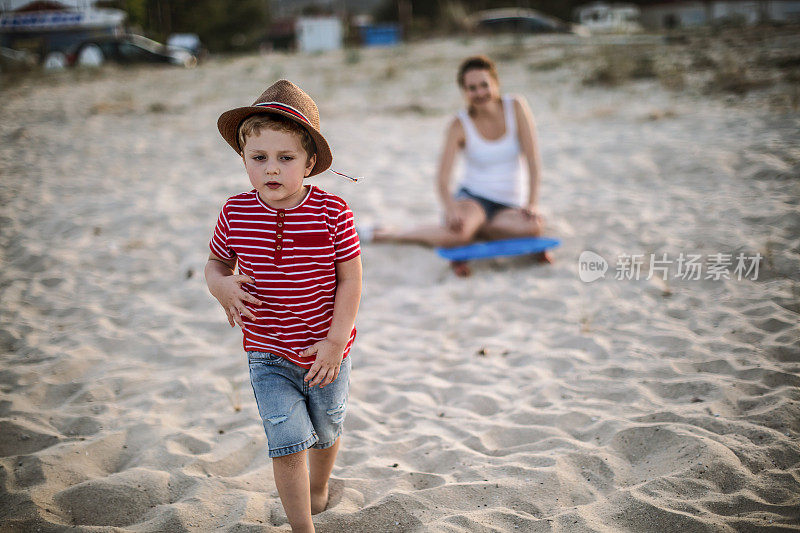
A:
x,y
319,34
686,13
601,17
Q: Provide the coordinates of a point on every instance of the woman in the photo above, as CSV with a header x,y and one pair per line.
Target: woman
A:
x,y
494,200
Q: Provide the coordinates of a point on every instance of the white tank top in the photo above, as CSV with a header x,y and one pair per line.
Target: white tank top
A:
x,y
492,168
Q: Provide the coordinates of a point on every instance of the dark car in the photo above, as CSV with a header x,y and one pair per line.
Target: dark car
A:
x,y
126,49
518,20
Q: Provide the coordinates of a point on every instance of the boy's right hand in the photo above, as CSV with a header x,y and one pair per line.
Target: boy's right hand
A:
x,y
231,296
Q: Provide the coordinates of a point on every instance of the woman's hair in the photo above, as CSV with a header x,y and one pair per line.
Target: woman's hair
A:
x,y
480,62
253,125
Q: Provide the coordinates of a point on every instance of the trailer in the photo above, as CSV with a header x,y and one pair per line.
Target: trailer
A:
x,y
49,32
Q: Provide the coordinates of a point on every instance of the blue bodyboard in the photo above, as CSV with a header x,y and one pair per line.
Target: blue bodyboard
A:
x,y
485,250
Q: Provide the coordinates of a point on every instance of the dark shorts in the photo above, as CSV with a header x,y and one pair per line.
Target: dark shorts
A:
x,y
490,207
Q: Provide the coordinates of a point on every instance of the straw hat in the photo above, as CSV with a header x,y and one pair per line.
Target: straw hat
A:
x,y
281,98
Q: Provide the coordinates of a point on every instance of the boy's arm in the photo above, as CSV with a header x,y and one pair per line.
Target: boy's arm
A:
x,y
329,351
227,289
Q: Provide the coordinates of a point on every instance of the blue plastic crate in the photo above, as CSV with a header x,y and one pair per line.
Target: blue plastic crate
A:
x,y
380,35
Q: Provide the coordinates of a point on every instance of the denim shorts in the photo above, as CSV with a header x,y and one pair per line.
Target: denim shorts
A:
x,y
490,207
295,416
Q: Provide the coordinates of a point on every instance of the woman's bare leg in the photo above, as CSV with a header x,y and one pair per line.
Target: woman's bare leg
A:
x,y
472,217
512,223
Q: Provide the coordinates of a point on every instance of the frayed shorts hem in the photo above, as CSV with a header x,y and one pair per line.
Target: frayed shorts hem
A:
x,y
294,448
323,445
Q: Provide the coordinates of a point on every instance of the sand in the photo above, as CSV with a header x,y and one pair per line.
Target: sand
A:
x,y
519,399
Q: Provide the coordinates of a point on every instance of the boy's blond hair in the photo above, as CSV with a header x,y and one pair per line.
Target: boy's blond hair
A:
x,y
253,125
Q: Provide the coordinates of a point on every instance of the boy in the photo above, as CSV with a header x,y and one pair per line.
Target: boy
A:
x,y
297,292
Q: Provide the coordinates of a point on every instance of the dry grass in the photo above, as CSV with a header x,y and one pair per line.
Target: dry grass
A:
x,y
619,64
122,105
718,61
548,64
735,76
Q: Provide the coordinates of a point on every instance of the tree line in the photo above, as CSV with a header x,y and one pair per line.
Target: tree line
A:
x,y
225,25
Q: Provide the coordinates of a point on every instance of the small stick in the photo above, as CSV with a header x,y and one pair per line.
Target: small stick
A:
x,y
351,178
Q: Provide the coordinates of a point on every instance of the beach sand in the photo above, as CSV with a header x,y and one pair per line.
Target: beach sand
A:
x,y
519,399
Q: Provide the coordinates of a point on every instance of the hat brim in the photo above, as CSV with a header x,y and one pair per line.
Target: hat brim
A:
x,y
228,125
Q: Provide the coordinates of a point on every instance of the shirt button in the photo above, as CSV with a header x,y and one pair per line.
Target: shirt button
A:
x,y
280,215
280,224
278,247
279,235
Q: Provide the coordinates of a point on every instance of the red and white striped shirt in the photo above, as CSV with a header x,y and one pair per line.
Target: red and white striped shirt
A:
x,y
291,255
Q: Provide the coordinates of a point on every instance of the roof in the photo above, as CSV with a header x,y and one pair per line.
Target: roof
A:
x,y
512,12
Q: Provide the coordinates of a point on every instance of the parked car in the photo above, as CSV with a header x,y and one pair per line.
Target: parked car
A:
x,y
187,41
520,20
16,60
129,48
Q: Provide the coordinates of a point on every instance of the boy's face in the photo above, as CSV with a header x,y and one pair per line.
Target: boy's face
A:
x,y
276,165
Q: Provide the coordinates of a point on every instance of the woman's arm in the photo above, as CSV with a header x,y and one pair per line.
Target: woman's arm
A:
x,y
526,129
453,142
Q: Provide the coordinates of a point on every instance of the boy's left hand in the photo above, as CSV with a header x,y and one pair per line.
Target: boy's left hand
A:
x,y
325,369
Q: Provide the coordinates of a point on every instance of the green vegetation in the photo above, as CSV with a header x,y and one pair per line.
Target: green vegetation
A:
x,y
222,26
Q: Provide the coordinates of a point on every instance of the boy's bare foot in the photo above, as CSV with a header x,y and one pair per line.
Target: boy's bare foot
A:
x,y
319,500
